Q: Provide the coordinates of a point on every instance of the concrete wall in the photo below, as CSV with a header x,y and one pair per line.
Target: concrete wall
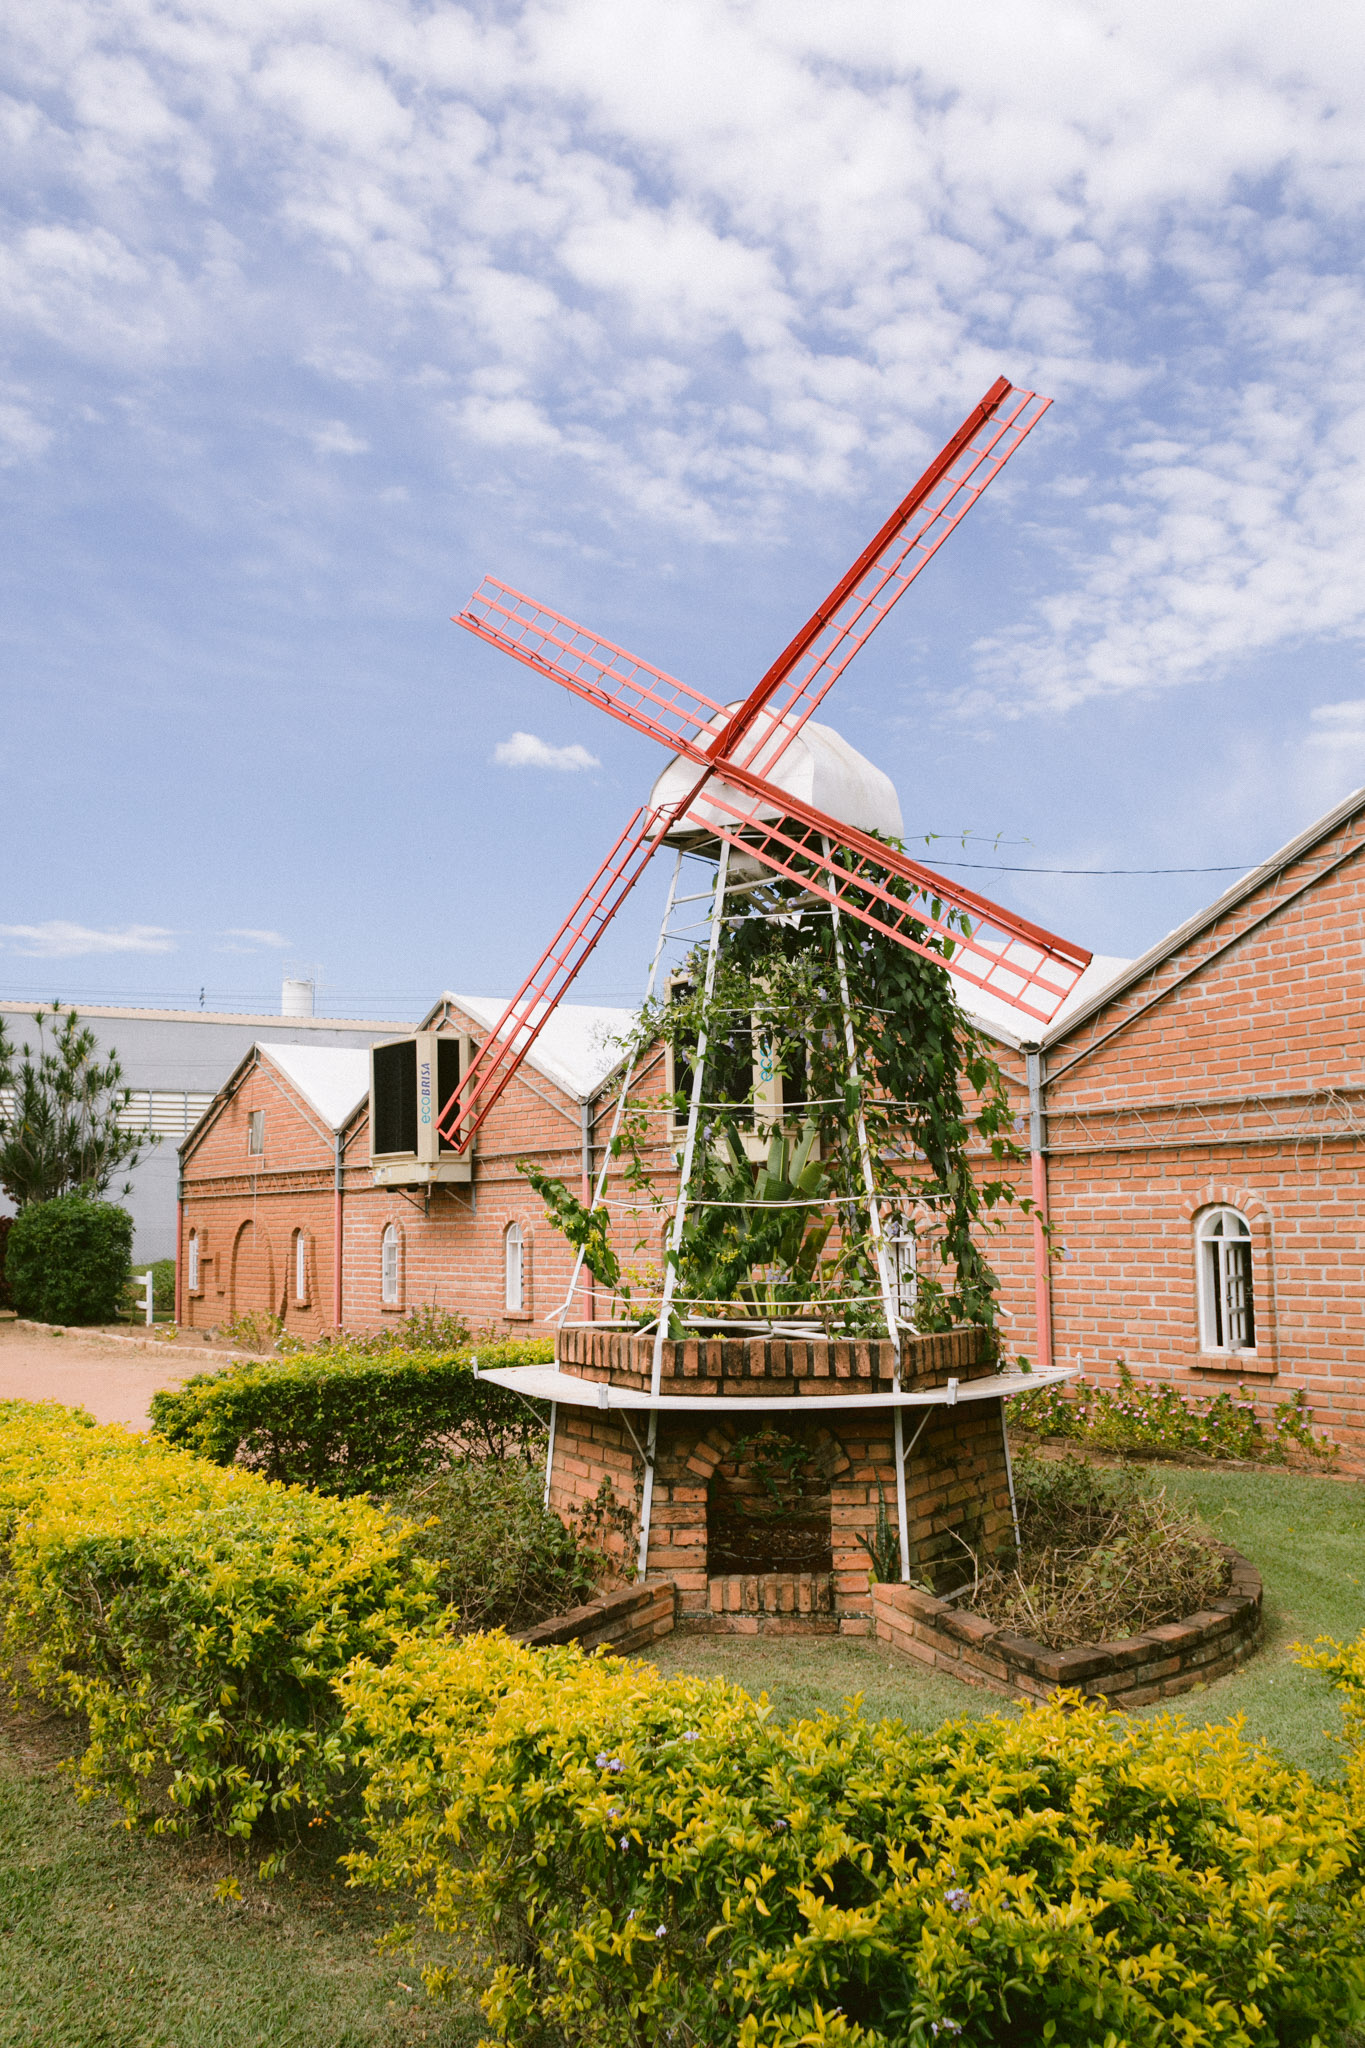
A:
x,y
191,1052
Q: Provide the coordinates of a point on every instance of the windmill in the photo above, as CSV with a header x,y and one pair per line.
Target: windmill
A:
x,y
729,786
734,751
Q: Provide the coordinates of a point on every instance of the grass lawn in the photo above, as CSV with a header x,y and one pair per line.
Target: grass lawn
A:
x,y
110,1941
1305,1535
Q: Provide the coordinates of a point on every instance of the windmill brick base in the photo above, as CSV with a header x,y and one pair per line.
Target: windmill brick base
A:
x,y
718,1393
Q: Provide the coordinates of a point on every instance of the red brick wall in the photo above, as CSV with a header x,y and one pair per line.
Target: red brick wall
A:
x,y
1233,1073
245,1210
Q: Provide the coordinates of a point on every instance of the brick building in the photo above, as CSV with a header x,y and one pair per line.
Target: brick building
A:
x,y
1198,1129
1196,1121
283,1212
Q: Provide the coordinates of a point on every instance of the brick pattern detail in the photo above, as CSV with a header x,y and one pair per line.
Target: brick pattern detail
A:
x,y
773,1603
623,1622
1161,1662
957,1492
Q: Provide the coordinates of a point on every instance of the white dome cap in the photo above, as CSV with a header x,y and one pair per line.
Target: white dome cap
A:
x,y
819,766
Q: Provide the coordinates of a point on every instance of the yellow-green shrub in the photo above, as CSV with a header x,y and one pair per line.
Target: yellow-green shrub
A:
x,y
656,1861
198,1617
1345,1664
350,1420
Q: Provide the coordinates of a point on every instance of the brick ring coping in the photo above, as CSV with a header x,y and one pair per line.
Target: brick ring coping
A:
x,y
1171,1658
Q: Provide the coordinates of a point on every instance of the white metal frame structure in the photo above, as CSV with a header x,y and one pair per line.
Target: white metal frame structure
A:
x,y
681,926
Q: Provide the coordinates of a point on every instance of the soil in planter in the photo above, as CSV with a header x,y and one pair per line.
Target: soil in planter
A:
x,y
1103,1555
768,1508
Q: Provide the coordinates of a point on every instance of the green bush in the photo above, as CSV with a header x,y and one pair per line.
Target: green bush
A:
x,y
68,1260
1152,1419
348,1422
6,1299
656,1860
502,1559
198,1618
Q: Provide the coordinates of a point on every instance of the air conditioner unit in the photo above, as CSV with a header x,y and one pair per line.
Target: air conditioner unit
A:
x,y
411,1080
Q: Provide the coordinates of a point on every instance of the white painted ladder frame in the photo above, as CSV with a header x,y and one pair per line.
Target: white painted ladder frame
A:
x,y
670,1282
874,1212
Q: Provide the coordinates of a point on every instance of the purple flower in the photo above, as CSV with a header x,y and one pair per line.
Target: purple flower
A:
x,y
625,1841
691,1735
659,1933
957,1899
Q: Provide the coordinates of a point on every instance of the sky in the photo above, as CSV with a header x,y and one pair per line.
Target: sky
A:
x,y
313,314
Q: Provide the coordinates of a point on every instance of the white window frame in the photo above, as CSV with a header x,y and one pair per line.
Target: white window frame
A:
x,y
255,1133
514,1269
300,1270
1226,1284
390,1267
192,1262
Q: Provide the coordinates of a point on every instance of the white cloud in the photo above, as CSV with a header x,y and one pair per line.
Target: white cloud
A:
x,y
524,750
253,938
336,438
722,261
1332,754
59,940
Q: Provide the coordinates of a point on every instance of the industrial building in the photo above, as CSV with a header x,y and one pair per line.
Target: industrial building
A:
x,y
174,1062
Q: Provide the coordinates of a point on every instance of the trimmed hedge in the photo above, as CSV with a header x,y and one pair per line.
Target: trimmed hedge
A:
x,y
68,1260
655,1860
199,1618
348,1421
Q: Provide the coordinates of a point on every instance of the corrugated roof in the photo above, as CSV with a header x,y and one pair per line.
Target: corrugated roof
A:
x,y
576,1048
998,1016
333,1078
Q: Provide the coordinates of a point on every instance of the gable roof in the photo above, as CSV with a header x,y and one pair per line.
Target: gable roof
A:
x,y
332,1079
1002,1020
576,1047
1247,885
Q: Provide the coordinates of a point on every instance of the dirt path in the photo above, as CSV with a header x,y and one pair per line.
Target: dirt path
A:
x,y
114,1381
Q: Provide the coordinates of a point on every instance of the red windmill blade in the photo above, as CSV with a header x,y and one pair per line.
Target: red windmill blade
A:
x,y
1013,958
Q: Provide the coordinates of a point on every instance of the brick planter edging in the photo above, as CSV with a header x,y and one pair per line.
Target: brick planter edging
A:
x,y
627,1620
1171,1658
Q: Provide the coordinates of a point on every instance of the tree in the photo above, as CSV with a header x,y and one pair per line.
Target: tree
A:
x,y
61,1110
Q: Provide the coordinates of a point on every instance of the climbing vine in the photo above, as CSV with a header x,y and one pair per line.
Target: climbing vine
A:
x,y
788,1230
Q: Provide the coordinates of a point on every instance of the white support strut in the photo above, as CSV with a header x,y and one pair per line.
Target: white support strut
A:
x,y
670,1281
874,1212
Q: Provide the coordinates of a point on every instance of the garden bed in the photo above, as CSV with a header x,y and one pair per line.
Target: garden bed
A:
x,y
1174,1657
1116,1591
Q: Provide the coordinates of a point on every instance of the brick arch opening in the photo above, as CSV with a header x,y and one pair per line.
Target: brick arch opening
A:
x,y
252,1281
769,1503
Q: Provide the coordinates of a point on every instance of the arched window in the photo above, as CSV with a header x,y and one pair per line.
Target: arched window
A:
x,y
1227,1311
192,1262
300,1268
513,1267
388,1266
